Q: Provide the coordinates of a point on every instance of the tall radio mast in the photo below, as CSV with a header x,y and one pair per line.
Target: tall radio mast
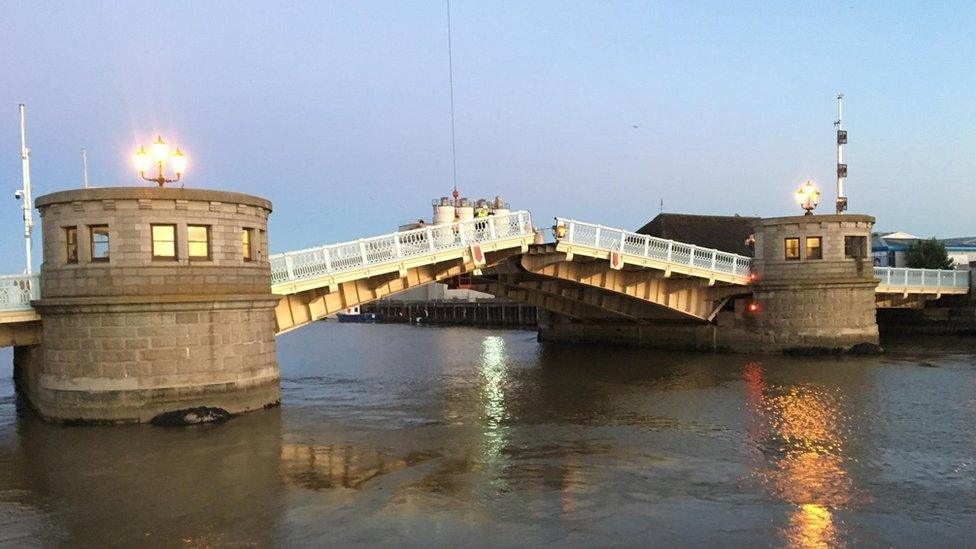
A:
x,y
841,167
24,194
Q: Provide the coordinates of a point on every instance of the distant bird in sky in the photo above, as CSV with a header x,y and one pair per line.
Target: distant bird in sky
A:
x,y
635,126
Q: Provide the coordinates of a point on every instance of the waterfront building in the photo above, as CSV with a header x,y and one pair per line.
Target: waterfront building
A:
x,y
889,249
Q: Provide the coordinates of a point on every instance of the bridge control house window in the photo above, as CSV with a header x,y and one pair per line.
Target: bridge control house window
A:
x,y
71,244
814,247
163,242
792,250
198,239
855,247
246,239
98,238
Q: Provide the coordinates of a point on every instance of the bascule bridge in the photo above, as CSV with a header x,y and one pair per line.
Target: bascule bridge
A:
x,y
152,300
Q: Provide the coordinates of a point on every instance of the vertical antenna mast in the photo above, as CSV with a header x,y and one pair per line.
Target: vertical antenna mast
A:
x,y
84,165
841,167
25,192
450,69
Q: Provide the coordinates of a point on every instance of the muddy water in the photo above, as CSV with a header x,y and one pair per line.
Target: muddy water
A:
x,y
395,435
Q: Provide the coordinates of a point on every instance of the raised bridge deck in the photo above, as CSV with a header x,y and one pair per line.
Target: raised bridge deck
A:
x,y
641,250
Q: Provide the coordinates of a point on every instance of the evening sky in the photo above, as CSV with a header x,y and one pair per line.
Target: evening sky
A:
x,y
339,112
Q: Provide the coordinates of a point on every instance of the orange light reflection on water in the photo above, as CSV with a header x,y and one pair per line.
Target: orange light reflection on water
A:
x,y
799,431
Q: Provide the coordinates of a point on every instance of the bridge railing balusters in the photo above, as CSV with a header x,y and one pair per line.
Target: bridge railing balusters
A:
x,y
651,247
312,262
893,278
17,291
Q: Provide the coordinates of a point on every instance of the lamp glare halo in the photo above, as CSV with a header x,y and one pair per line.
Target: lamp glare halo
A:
x,y
142,160
160,149
178,161
151,163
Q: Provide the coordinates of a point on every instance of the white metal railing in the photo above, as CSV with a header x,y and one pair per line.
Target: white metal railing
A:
x,y
902,277
652,247
358,254
17,291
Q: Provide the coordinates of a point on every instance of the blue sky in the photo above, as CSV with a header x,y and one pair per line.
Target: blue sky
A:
x,y
339,111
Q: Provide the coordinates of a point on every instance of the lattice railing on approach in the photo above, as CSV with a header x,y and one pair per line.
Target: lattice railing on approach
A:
x,y
903,277
652,247
17,291
359,254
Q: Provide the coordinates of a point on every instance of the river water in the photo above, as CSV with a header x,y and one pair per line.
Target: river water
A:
x,y
394,435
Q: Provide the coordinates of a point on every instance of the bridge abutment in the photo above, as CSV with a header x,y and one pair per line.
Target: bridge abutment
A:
x,y
154,300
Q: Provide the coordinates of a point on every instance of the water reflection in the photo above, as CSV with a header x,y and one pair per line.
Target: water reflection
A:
x,y
195,487
493,370
319,467
799,432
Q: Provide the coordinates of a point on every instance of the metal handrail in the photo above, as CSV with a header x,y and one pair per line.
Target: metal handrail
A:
x,y
652,247
904,277
17,291
393,247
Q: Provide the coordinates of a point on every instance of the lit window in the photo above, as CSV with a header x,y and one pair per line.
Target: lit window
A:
x,y
163,241
814,249
246,243
99,242
71,243
855,247
792,248
198,238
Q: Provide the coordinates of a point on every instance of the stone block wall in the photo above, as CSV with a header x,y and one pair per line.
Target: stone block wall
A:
x,y
131,270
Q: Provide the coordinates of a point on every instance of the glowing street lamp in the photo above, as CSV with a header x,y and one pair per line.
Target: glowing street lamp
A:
x,y
158,154
807,196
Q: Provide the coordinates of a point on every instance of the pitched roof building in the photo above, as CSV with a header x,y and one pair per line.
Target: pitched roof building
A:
x,y
725,233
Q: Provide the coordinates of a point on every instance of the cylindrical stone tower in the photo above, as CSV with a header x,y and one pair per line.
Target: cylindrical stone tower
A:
x,y
153,300
814,282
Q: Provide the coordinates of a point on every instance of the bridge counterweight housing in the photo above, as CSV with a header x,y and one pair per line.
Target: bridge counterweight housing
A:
x,y
154,300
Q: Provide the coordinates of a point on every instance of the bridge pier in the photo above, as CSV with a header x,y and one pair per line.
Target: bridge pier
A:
x,y
154,300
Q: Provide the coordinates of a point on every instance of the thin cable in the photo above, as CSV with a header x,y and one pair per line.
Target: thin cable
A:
x,y
450,69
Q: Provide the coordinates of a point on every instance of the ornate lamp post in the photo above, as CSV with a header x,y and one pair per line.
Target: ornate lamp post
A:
x,y
159,153
807,196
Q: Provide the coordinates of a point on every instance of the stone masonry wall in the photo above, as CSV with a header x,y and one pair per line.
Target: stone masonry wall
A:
x,y
129,213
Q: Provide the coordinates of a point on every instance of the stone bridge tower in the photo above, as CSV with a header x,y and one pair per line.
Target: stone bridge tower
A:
x,y
815,285
154,300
